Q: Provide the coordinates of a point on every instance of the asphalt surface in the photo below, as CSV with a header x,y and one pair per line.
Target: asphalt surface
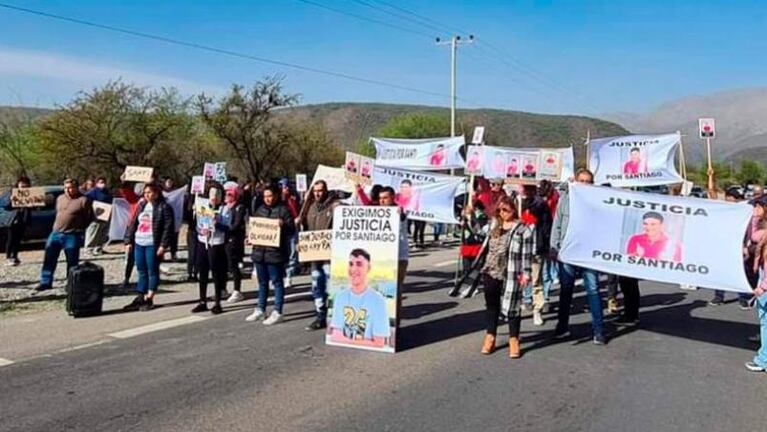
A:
x,y
681,369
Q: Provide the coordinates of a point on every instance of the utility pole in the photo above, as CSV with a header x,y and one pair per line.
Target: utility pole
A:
x,y
453,42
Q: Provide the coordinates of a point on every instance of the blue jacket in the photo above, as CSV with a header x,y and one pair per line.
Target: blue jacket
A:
x,y
100,195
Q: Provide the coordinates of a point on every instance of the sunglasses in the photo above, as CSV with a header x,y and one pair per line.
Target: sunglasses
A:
x,y
504,210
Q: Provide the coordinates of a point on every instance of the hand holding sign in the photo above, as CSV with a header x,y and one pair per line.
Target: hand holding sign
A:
x,y
28,197
264,231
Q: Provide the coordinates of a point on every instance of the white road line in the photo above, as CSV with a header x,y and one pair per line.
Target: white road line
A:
x,y
5,362
83,346
157,326
445,263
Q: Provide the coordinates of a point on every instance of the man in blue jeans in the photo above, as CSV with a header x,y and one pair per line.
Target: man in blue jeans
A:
x,y
73,214
568,273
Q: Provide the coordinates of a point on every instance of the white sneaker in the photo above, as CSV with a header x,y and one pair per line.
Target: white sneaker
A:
x,y
236,297
164,269
287,282
688,287
537,319
274,318
255,316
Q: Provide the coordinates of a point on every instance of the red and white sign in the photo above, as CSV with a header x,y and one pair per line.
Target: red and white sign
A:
x,y
707,128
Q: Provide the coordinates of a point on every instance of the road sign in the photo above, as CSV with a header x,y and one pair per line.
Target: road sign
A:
x,y
707,128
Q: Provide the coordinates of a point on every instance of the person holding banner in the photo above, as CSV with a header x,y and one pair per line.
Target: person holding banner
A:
x,y
507,270
318,216
17,226
568,273
148,237
269,261
211,251
73,214
96,233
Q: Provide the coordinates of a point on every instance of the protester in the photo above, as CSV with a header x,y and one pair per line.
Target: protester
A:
x,y
419,232
536,212
319,216
148,237
568,273
387,198
269,261
128,193
475,232
507,270
86,186
759,363
630,289
489,193
73,214
169,185
290,201
96,235
211,253
17,226
191,238
233,217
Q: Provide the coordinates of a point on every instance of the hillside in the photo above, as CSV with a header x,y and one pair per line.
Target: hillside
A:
x,y
739,114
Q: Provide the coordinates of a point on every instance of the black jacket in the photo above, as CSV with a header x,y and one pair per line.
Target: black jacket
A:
x,y
235,230
163,225
272,255
540,209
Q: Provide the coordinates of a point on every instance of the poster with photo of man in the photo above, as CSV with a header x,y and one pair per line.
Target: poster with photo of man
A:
x,y
362,309
635,160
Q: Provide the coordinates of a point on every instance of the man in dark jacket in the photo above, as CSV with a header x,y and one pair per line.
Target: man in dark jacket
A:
x,y
233,217
73,214
96,234
318,216
17,226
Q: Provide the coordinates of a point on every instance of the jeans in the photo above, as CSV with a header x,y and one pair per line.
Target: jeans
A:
x,y
293,264
57,241
320,280
148,268
567,274
541,282
274,273
549,273
761,310
438,230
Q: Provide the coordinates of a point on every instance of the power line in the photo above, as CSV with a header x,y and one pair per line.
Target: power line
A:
x,y
217,50
399,15
421,17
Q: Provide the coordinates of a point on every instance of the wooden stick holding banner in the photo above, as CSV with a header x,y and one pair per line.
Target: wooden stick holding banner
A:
x,y
588,149
682,161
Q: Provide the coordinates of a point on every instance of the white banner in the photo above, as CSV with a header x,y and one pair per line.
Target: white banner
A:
x,y
663,238
121,213
335,178
521,165
635,160
419,154
423,195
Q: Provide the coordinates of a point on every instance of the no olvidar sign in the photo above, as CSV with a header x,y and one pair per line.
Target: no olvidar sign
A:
x,y
264,232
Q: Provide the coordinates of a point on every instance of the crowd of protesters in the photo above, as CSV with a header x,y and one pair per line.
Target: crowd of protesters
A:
x,y
510,239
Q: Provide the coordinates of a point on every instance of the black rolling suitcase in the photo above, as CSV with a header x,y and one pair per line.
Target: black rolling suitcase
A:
x,y
85,290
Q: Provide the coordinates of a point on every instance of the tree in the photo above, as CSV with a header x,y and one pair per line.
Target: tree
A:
x,y
102,131
411,126
307,145
243,119
19,146
750,172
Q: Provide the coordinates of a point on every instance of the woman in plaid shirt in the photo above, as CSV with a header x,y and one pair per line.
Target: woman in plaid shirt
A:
x,y
506,272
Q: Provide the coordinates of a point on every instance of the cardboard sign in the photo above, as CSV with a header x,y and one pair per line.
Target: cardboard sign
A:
x,y
301,182
359,169
102,211
138,174
264,232
209,170
198,185
314,245
28,197
479,135
707,128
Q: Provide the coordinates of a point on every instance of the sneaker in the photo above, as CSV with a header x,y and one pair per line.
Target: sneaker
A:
x,y
562,335
716,301
135,304
215,310
236,297
274,318
537,319
287,282
599,340
753,367
624,320
10,263
255,316
43,287
744,304
612,305
317,324
201,307
147,305
688,287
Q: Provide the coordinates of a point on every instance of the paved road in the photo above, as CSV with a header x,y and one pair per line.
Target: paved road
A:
x,y
681,370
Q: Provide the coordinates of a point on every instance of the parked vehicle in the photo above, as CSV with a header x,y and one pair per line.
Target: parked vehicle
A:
x,y
41,223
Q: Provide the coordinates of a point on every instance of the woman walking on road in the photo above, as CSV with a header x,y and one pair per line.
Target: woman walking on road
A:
x,y
211,252
270,261
507,270
148,237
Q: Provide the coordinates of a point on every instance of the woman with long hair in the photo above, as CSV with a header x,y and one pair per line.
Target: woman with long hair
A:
x,y
211,252
148,237
507,270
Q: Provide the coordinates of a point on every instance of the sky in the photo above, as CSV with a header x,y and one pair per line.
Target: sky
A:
x,y
577,57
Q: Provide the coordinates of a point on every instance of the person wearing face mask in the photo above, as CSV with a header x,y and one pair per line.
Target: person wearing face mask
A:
x,y
148,237
73,214
233,217
211,252
270,261
96,233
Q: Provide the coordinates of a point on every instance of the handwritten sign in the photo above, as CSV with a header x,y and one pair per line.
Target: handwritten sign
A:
x,y
198,185
314,245
102,211
264,232
28,197
359,169
138,174
301,182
